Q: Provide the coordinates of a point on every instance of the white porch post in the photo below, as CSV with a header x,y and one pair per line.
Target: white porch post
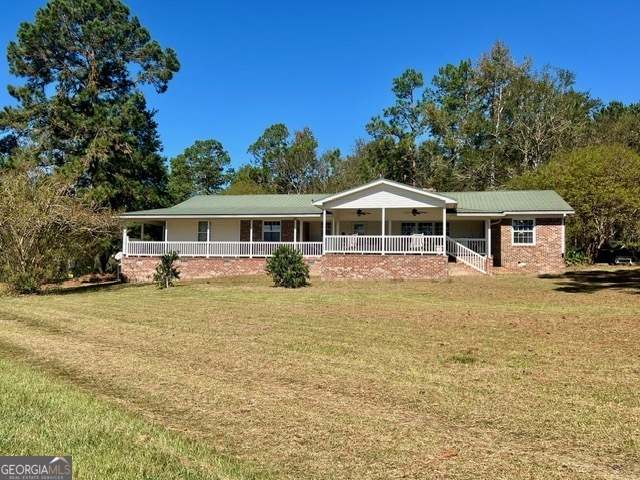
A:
x,y
142,231
251,239
166,236
487,239
295,232
444,231
208,237
125,243
383,220
324,231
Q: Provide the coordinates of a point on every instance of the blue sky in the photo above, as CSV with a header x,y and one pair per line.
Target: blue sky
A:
x,y
329,65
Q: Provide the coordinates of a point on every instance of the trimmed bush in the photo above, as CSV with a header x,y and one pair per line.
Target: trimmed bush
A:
x,y
166,272
287,268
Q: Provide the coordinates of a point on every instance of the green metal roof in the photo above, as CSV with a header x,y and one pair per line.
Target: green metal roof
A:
x,y
239,205
494,202
509,201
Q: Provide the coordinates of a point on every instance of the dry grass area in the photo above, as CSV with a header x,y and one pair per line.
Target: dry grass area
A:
x,y
504,377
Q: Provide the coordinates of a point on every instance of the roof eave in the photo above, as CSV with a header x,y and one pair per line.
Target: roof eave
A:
x,y
209,215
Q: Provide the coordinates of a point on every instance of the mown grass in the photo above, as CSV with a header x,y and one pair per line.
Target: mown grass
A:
x,y
505,377
42,416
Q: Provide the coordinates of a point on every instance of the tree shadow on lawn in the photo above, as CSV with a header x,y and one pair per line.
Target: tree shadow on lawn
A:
x,y
590,281
89,287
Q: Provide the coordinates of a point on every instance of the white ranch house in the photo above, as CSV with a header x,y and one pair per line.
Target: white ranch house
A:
x,y
381,229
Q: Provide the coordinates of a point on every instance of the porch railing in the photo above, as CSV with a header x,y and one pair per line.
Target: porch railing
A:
x,y
478,245
424,244
466,255
217,249
363,244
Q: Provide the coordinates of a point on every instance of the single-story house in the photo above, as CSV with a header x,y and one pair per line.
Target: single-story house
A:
x,y
383,229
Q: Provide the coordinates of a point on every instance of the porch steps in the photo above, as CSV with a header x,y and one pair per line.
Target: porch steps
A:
x,y
466,256
459,269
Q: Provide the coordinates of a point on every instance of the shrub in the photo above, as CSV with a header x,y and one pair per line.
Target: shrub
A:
x,y
166,272
287,268
576,257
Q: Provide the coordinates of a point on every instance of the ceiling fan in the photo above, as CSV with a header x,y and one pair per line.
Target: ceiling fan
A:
x,y
415,212
361,212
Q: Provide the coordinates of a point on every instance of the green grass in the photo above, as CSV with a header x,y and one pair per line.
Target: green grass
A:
x,y
477,377
43,416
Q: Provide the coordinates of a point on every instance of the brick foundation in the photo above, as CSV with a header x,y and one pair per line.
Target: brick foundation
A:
x,y
376,267
141,269
543,257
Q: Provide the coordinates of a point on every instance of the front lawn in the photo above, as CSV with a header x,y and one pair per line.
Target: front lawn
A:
x,y
477,377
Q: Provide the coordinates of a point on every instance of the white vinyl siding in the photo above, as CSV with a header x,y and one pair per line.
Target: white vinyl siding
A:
x,y
220,230
385,196
182,230
474,229
225,230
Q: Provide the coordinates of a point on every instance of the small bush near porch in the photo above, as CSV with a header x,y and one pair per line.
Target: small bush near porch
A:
x,y
505,377
287,268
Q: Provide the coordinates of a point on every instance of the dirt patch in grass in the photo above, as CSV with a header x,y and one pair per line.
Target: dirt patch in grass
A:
x,y
505,377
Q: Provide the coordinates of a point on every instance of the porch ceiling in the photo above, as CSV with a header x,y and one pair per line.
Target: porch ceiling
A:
x,y
404,214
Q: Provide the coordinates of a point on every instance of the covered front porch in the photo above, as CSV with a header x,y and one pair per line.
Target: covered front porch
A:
x,y
360,244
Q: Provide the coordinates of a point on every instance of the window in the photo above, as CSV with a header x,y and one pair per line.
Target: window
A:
x,y
327,230
359,228
408,228
203,231
271,231
523,233
439,228
425,228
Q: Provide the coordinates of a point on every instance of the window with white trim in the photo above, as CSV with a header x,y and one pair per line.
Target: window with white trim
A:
x,y
523,232
271,231
408,228
203,231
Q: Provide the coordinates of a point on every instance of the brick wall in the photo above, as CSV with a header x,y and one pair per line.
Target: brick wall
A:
x,y
543,257
342,267
286,230
141,269
245,230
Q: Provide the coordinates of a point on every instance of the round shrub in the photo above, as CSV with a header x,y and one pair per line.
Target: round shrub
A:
x,y
287,268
